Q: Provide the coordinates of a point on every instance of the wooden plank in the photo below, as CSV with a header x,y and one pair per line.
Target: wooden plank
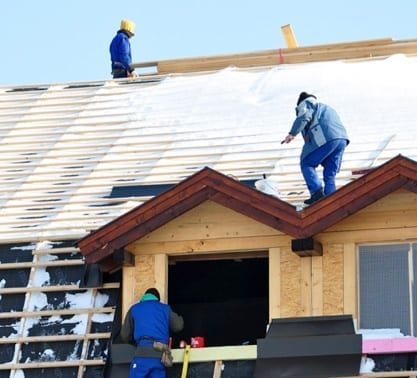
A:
x,y
75,311
52,364
44,289
219,256
55,251
225,353
57,338
289,36
274,283
350,280
339,51
29,264
218,367
161,275
306,287
317,285
371,236
128,289
333,293
210,246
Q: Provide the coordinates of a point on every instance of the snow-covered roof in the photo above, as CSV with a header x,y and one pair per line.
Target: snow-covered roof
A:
x,y
65,146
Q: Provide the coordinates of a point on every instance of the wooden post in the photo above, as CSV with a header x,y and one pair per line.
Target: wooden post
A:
x,y
217,373
289,36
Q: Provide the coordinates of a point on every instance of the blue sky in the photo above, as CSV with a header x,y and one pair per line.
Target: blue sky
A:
x,y
52,41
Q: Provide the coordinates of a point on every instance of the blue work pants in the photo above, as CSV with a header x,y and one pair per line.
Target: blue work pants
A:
x,y
147,367
330,157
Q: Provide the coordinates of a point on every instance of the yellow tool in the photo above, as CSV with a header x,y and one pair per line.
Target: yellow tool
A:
x,y
186,360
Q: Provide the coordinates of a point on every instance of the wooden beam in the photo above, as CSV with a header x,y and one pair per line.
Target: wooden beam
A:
x,y
218,366
349,280
75,311
338,51
239,352
317,286
30,264
55,338
289,36
45,289
307,247
52,364
123,257
128,289
274,283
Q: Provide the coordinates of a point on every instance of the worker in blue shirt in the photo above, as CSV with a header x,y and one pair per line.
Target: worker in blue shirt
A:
x,y
149,321
120,50
325,140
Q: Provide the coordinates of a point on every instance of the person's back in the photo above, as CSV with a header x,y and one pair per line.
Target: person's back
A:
x,y
325,126
151,320
148,322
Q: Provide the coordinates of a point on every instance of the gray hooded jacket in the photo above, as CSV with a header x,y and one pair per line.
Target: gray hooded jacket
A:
x,y
318,123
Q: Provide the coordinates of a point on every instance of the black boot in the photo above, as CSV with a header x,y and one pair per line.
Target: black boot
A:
x,y
315,197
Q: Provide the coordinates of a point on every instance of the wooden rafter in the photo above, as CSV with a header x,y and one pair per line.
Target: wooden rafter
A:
x,y
207,184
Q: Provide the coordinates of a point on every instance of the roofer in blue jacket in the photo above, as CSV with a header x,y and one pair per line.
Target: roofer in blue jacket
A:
x,y
147,322
325,140
120,50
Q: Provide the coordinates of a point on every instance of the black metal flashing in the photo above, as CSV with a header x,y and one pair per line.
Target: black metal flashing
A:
x,y
309,347
152,190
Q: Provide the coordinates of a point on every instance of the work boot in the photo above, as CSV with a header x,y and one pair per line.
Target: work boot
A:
x,y
315,197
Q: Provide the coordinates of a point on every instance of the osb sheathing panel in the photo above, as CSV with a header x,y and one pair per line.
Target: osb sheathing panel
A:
x,y
333,279
290,284
144,274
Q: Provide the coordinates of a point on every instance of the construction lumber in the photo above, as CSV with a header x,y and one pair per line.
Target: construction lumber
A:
x,y
55,338
231,353
72,311
292,55
289,36
31,264
52,364
44,289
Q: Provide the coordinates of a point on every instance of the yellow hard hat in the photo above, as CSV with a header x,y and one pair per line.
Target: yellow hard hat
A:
x,y
128,26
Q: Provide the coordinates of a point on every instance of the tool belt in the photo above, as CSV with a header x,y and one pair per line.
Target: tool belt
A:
x,y
157,350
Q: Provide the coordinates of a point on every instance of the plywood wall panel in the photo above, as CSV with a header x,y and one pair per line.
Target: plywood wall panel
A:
x,y
333,279
144,274
317,285
350,280
290,284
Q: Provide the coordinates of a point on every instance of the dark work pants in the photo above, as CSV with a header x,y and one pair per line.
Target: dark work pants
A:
x,y
119,73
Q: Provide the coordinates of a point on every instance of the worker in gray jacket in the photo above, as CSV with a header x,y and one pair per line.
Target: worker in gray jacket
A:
x,y
325,140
